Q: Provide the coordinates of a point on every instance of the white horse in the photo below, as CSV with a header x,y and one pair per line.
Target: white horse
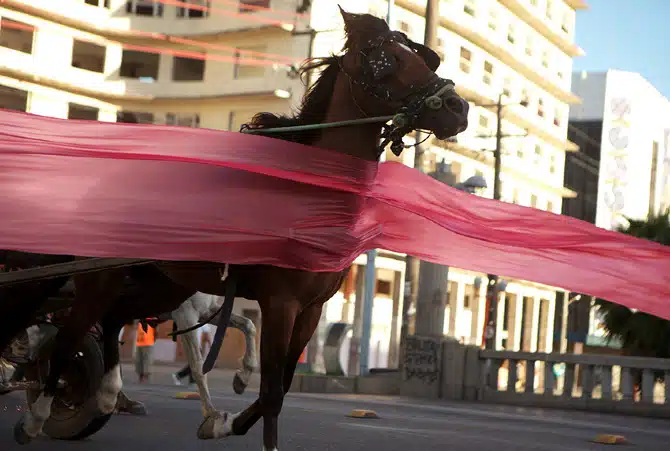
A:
x,y
194,310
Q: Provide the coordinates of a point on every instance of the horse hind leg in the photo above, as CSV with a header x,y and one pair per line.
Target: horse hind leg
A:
x,y
186,318
250,360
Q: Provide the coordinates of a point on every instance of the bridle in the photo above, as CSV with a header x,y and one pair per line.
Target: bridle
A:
x,y
378,65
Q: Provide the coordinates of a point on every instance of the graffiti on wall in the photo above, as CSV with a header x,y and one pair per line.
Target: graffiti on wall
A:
x,y
422,359
615,155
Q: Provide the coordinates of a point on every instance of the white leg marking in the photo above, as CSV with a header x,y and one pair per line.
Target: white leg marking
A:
x,y
249,361
273,449
37,415
223,425
186,317
109,390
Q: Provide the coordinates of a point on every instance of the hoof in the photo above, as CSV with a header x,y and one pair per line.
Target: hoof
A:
x,y
132,408
20,435
238,384
211,424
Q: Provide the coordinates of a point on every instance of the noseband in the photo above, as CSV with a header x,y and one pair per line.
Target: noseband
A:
x,y
378,65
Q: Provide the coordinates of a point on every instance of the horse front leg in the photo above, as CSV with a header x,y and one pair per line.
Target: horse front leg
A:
x,y
249,361
279,315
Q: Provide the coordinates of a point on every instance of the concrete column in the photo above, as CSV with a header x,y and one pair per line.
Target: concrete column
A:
x,y
564,324
393,357
348,291
551,313
517,321
481,313
455,308
500,311
535,324
431,300
357,327
474,308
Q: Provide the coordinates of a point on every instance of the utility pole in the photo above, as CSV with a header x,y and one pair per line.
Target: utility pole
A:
x,y
412,264
490,325
370,283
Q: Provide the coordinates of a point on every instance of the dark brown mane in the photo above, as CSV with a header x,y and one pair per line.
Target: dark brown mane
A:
x,y
313,108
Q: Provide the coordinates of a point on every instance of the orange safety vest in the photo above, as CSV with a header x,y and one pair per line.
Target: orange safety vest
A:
x,y
145,338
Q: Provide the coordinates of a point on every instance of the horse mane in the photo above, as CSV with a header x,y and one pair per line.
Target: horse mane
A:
x,y
313,107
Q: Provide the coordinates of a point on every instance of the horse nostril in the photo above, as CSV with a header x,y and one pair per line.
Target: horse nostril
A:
x,y
455,105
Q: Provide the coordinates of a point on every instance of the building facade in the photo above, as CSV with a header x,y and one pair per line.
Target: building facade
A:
x,y
215,63
623,170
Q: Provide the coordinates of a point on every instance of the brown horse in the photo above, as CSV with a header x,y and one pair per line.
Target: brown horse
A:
x,y
381,73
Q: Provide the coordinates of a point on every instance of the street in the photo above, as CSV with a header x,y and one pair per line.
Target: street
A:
x,y
320,422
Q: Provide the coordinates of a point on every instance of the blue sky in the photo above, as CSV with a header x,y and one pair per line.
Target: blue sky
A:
x,y
632,35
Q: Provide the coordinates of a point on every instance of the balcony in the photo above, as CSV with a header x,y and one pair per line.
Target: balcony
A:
x,y
112,86
134,18
552,32
477,31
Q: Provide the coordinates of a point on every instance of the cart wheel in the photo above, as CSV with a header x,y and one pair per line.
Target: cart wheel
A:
x,y
74,412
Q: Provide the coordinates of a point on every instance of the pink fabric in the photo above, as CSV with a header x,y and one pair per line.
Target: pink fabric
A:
x,y
174,193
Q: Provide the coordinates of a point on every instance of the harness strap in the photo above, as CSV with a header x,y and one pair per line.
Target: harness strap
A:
x,y
222,325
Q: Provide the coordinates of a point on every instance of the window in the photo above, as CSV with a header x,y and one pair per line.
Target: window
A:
x,y
565,23
469,7
82,112
507,87
557,117
404,27
440,49
238,118
511,34
145,8
248,6
488,73
248,63
16,35
545,59
484,122
533,200
550,12
540,107
525,98
88,56
131,117
550,206
101,3
520,153
552,164
466,60
493,19
183,119
13,99
529,46
139,65
538,154
199,9
384,288
188,69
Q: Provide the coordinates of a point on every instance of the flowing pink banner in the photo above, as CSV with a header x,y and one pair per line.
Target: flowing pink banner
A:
x,y
175,193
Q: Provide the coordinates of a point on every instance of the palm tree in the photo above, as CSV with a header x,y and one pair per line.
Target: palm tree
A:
x,y
641,334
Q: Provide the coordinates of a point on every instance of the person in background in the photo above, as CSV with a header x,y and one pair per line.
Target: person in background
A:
x,y
144,353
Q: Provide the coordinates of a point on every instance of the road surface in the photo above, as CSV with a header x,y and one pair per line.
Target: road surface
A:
x,y
320,422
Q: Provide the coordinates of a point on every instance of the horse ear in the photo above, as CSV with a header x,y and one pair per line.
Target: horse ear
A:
x,y
349,20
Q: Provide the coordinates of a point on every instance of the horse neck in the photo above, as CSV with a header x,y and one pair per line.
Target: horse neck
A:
x,y
360,141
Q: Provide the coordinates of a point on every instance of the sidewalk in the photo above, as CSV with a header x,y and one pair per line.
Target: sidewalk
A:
x,y
161,374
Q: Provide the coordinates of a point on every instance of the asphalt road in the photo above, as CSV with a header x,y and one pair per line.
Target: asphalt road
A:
x,y
318,422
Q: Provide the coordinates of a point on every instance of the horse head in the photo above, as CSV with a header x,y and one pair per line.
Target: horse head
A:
x,y
389,74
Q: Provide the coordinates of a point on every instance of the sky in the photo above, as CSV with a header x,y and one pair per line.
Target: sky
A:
x,y
631,35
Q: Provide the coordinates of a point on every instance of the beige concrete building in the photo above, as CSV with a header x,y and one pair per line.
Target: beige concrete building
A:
x,y
214,63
